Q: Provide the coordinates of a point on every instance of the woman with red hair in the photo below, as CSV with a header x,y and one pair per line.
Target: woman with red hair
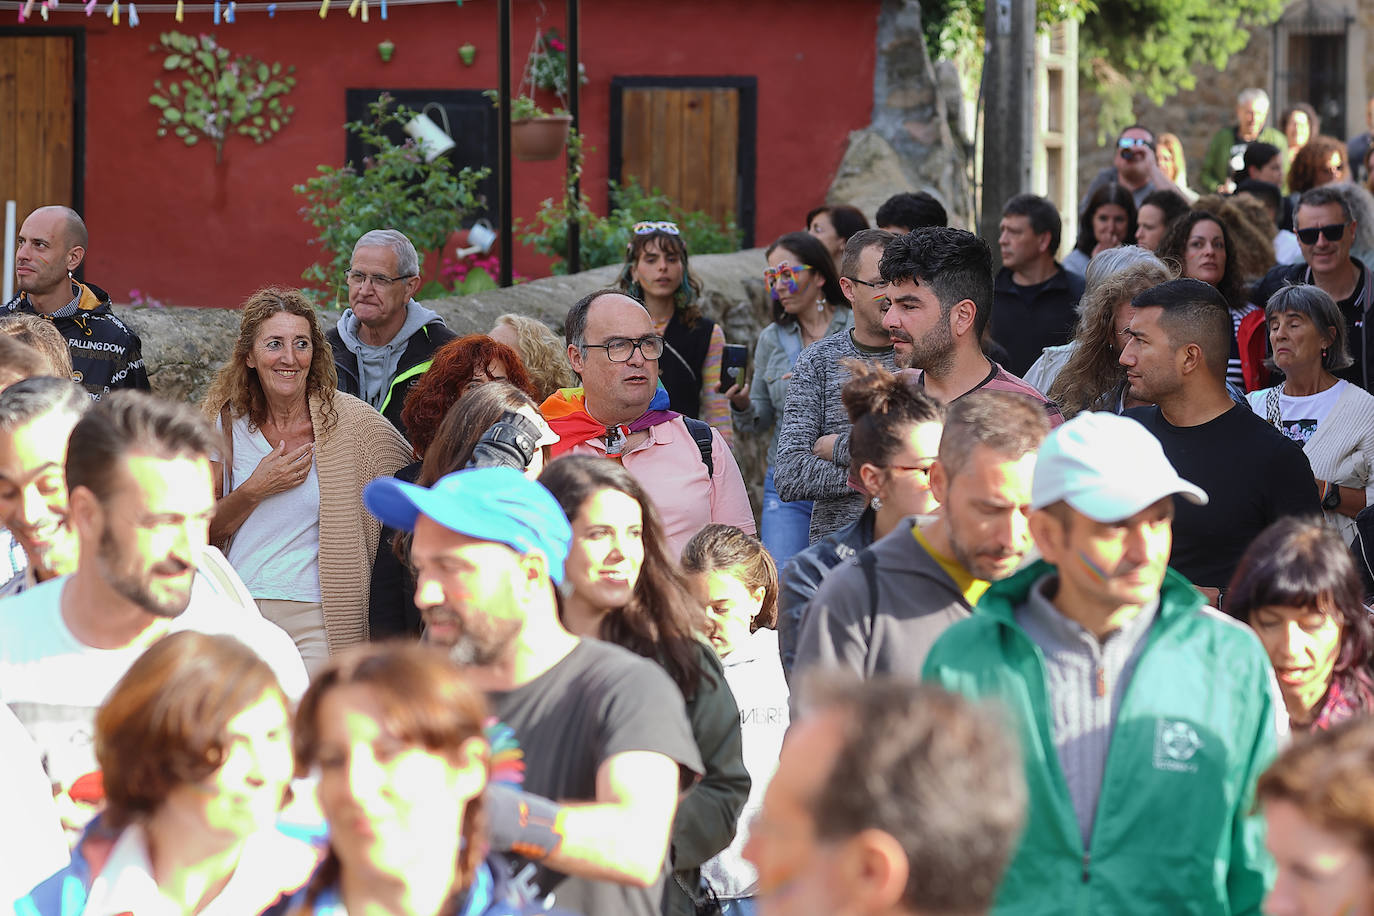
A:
x,y
458,366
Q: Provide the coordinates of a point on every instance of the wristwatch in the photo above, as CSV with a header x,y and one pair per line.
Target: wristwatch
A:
x,y
1332,500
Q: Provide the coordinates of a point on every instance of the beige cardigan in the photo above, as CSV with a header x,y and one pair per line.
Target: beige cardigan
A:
x,y
361,446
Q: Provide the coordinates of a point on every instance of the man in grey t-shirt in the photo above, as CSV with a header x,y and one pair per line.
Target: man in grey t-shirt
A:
x,y
593,723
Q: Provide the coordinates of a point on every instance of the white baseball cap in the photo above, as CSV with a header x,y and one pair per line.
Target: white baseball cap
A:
x,y
1107,467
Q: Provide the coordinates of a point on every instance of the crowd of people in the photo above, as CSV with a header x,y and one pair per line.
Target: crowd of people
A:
x,y
1059,584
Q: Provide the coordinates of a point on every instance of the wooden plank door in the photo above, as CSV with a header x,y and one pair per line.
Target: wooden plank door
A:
x,y
687,142
37,120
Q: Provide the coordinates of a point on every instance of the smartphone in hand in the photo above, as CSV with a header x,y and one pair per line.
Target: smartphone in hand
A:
x,y
733,360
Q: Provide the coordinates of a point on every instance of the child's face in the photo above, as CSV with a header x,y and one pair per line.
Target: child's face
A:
x,y
730,607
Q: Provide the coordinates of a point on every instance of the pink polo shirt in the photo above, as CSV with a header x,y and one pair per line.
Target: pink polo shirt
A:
x,y
668,465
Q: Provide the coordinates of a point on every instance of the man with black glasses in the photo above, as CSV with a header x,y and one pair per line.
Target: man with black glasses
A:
x,y
1325,228
621,412
385,340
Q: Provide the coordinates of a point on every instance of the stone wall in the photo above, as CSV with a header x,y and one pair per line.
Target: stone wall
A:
x,y
916,141
1194,114
183,347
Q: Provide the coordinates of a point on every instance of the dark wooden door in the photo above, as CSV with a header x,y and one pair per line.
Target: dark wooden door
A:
x,y
37,120
693,141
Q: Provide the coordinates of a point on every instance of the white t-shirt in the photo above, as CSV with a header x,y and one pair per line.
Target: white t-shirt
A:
x,y
54,683
1298,417
277,548
754,673
33,847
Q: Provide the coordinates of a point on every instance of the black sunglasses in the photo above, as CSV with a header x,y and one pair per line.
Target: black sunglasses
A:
x,y
1334,233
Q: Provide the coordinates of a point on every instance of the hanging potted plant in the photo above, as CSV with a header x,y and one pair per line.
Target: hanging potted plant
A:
x,y
535,134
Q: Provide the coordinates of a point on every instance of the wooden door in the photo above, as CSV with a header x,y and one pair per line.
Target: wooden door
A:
x,y
692,142
37,120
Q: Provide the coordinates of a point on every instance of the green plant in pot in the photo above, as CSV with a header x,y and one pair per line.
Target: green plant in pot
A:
x,y
535,134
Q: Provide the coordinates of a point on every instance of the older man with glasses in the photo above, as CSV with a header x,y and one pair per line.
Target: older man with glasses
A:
x,y
621,412
385,340
1325,227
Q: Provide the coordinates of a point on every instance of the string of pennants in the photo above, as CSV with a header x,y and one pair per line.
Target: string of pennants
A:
x,y
221,10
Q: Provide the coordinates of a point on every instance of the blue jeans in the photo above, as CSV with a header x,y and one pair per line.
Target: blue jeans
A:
x,y
786,526
742,906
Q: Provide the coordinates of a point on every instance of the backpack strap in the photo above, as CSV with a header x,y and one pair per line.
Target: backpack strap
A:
x,y
701,434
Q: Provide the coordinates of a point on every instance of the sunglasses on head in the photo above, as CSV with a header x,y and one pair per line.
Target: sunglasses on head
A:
x,y
649,228
785,273
1334,233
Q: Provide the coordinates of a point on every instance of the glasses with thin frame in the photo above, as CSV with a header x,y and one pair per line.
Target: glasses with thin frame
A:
x,y
620,349
923,469
357,278
880,285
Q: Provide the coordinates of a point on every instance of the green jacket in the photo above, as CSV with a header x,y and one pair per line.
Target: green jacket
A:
x,y
1216,165
1198,723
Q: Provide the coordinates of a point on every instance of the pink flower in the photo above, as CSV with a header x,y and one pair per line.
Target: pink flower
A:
x,y
557,45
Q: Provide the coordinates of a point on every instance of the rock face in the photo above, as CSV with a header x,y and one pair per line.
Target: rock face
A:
x,y
912,144
183,347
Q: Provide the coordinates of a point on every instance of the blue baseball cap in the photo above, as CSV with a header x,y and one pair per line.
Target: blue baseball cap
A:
x,y
491,504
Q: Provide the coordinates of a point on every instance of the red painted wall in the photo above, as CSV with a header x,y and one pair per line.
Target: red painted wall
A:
x,y
164,219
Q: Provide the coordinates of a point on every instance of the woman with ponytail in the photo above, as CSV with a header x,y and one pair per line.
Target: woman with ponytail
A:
x,y
894,440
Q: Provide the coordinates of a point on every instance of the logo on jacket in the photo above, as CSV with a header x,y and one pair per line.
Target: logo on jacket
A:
x,y
1176,742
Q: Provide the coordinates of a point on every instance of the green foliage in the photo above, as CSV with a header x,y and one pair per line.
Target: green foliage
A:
x,y
603,239
1125,47
396,187
1152,47
522,107
220,94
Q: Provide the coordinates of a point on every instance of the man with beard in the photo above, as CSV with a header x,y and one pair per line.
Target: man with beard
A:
x,y
939,298
140,501
595,726
881,613
1145,718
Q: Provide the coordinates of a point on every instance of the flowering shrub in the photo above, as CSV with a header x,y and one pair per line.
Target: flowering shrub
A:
x,y
547,67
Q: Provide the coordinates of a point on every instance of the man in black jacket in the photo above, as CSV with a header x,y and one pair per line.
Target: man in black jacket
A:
x,y
106,353
385,340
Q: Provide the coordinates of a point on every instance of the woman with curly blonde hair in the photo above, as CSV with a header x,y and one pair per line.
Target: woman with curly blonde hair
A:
x,y
543,353
297,454
1092,378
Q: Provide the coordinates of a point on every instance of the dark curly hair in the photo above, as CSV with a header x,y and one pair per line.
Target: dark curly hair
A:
x,y
1306,170
1172,251
455,365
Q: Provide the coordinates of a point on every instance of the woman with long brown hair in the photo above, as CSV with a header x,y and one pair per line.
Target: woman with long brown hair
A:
x,y
297,455
623,586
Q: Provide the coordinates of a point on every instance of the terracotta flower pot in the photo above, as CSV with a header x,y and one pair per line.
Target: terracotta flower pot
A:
x,y
539,139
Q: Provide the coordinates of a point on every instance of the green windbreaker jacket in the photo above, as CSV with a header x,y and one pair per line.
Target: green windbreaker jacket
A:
x,y
1199,721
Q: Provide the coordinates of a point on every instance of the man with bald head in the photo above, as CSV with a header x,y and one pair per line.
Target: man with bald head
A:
x,y
621,412
106,353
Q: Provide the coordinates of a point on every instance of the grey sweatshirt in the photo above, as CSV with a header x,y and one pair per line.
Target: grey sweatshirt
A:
x,y
813,410
1086,680
377,365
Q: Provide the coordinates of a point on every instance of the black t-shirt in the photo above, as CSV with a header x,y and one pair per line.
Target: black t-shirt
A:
x,y
1027,319
1252,474
599,701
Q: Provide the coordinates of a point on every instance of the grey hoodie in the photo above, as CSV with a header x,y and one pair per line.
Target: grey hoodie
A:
x,y
377,365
